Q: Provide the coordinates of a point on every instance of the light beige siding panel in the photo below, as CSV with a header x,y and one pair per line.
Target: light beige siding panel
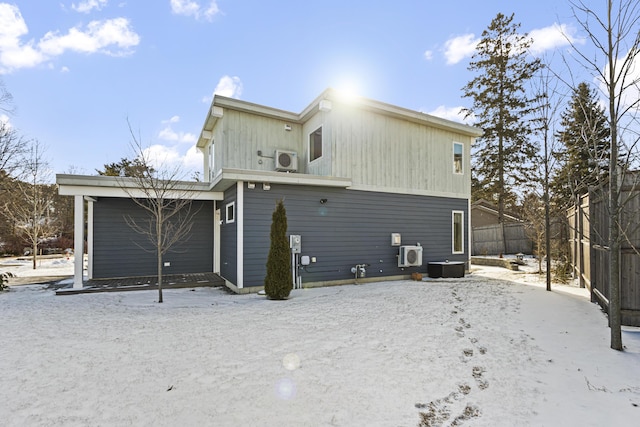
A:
x,y
245,134
376,150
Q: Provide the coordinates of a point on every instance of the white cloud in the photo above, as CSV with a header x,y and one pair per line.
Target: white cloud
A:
x,y
172,155
5,123
231,87
428,55
87,6
112,37
169,134
13,54
451,113
630,96
552,37
195,9
192,160
169,158
460,47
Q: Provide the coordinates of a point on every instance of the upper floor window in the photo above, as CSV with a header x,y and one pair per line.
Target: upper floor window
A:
x,y
457,157
315,144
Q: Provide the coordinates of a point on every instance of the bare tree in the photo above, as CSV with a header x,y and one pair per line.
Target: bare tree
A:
x,y
6,100
614,35
11,149
548,99
30,205
163,195
533,209
11,143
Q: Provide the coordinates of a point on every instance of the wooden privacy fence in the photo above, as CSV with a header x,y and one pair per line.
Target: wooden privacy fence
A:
x,y
589,240
579,241
496,239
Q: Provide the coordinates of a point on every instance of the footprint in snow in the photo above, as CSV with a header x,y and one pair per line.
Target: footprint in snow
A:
x,y
477,372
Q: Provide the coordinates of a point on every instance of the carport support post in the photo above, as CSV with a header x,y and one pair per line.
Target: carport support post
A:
x,y
78,241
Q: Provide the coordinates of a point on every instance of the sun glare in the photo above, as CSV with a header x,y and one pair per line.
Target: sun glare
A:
x,y
348,92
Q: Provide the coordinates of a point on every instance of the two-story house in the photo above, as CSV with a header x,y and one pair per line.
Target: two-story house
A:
x,y
372,191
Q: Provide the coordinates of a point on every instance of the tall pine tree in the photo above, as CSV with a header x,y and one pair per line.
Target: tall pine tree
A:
x,y
504,156
584,159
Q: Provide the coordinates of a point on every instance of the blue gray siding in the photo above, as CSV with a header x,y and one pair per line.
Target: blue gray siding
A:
x,y
228,238
352,227
118,249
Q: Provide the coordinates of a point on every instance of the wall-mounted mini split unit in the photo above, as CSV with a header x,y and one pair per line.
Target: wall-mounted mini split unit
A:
x,y
286,161
410,256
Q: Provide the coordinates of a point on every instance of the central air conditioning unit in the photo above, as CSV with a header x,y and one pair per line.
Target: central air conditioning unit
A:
x,y
410,256
286,161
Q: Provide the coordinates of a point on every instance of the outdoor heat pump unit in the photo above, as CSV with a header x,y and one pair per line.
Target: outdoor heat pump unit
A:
x,y
286,161
410,256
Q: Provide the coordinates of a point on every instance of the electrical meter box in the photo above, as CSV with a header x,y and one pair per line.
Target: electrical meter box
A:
x,y
295,243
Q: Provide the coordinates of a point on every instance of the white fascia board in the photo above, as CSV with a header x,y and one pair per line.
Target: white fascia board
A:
x,y
103,186
392,111
260,110
271,177
74,190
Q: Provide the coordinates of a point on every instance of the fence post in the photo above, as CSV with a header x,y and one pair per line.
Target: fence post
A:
x,y
580,227
574,238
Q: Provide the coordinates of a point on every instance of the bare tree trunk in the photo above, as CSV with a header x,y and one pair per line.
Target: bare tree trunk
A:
x,y
615,321
159,220
614,199
547,213
34,255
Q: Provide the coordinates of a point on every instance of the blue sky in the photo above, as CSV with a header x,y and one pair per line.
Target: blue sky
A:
x,y
79,69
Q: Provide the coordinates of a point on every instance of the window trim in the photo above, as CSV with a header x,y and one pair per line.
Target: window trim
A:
x,y
311,148
453,232
461,172
230,207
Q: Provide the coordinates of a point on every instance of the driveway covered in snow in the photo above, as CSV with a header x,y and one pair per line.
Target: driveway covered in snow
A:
x,y
483,350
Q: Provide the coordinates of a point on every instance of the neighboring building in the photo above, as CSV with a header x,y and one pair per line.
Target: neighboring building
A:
x,y
490,237
363,182
484,213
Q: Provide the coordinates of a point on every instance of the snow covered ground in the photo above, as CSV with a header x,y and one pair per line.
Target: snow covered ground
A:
x,y
492,349
47,268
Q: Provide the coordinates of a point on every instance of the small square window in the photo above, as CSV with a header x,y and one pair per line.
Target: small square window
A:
x,y
457,158
315,144
231,212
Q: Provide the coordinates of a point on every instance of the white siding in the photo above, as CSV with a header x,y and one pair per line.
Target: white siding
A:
x,y
381,151
376,151
245,134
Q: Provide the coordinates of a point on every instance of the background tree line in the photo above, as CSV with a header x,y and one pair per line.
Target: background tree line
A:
x,y
550,137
